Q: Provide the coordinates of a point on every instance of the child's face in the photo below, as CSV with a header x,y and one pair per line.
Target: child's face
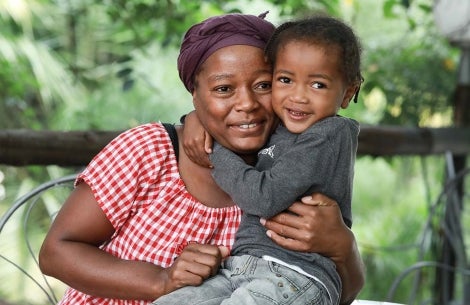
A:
x,y
308,85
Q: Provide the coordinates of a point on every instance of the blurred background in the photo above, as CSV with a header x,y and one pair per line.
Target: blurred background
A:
x,y
110,65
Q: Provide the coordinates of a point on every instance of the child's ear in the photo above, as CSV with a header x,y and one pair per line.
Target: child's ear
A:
x,y
348,96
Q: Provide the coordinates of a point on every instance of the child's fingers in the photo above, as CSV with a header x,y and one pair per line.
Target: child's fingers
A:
x,y
208,142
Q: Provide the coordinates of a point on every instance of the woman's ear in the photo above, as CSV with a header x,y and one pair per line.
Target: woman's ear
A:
x,y
193,94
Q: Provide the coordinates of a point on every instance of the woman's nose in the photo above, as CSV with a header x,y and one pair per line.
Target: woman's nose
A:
x,y
246,101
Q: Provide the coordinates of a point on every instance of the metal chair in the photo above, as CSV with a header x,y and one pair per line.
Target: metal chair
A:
x,y
22,230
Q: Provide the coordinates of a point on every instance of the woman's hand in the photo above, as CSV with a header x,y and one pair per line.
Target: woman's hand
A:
x,y
196,263
197,143
312,226
317,226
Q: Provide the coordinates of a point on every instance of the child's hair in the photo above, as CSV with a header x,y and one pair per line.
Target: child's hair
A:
x,y
325,31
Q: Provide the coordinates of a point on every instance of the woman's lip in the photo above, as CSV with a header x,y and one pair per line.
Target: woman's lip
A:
x,y
248,126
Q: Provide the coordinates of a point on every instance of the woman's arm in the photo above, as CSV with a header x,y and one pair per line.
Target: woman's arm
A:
x,y
71,253
317,226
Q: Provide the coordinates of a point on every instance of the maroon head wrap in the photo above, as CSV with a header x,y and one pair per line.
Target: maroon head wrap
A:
x,y
204,38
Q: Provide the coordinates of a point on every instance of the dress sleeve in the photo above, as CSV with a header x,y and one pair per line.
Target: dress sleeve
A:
x,y
128,163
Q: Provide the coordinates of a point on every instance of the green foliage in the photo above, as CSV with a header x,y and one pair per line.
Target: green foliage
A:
x,y
390,226
17,86
414,79
163,21
412,66
298,8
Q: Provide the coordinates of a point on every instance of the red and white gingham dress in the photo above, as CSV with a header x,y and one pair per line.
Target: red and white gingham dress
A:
x,y
136,182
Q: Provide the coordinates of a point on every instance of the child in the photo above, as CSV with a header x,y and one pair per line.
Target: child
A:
x,y
316,71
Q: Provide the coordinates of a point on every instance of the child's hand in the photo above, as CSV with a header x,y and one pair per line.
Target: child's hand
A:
x,y
197,143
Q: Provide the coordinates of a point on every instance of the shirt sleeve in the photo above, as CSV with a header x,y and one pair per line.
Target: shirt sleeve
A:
x,y
267,193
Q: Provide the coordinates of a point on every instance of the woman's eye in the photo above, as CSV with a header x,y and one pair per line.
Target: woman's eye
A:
x,y
264,86
222,89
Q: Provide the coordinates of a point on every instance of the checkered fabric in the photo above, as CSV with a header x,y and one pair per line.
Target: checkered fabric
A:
x,y
136,182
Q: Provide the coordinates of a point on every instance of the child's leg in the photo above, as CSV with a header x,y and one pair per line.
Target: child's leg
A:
x,y
268,283
211,292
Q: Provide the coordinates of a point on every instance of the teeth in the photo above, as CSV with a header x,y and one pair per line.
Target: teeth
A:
x,y
247,126
296,112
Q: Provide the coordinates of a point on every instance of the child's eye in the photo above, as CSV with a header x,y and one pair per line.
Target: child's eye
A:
x,y
284,80
318,85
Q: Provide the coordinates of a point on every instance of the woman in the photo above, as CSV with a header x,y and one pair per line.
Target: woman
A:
x,y
126,234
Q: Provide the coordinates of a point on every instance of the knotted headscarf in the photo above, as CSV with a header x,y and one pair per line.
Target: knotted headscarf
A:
x,y
204,38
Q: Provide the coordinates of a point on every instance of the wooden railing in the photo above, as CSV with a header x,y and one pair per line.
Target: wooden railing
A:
x,y
76,148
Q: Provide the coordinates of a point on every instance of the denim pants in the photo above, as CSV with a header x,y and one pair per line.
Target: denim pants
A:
x,y
249,280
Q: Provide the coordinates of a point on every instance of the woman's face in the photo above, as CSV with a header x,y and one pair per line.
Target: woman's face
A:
x,y
232,98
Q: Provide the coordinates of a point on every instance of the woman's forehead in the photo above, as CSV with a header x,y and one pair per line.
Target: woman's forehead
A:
x,y
235,59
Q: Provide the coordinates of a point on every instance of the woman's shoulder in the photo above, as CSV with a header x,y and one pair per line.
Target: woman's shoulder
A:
x,y
138,145
145,130
153,134
136,154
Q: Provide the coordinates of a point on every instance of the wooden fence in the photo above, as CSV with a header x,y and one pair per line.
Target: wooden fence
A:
x,y
76,148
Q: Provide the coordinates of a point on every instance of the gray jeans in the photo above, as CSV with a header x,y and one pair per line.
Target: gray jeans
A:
x,y
251,280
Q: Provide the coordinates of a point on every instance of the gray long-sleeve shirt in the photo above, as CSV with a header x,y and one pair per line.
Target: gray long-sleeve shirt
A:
x,y
321,159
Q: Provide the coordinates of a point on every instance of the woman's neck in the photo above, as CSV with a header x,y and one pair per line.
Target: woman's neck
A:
x,y
199,181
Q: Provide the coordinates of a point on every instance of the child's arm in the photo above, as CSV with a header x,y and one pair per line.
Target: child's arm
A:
x,y
309,162
197,143
271,191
